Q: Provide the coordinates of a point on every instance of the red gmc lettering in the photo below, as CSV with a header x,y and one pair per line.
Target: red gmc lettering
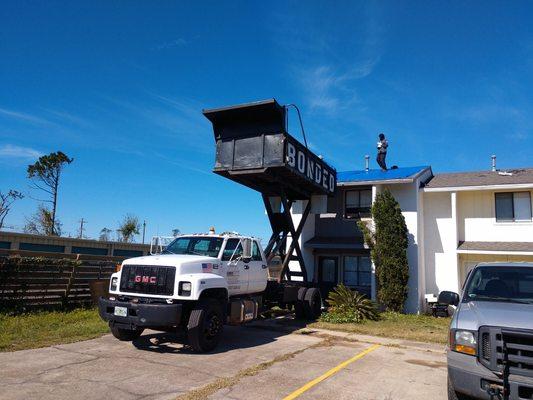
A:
x,y
145,279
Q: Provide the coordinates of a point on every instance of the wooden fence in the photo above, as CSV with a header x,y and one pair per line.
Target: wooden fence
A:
x,y
29,282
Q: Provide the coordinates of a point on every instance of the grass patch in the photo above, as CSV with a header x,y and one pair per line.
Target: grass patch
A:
x,y
28,331
421,328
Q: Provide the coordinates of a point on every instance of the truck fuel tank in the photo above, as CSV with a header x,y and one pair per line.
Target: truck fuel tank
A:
x,y
242,310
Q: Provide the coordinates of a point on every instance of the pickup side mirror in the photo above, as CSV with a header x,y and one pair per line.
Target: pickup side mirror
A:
x,y
246,249
449,298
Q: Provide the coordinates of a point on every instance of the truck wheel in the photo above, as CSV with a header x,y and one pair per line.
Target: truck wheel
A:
x,y
312,303
126,335
299,307
205,325
452,394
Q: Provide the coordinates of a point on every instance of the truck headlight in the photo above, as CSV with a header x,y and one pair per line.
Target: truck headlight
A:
x,y
185,289
114,283
463,341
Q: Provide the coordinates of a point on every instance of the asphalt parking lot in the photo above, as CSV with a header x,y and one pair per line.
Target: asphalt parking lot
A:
x,y
252,362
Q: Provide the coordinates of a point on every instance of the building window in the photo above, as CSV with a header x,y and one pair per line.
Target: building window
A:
x,y
357,203
513,206
48,248
127,253
357,271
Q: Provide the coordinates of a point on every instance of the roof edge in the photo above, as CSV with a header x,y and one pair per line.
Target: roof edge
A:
x,y
478,187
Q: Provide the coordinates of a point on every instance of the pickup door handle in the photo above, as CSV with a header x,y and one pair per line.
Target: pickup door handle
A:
x,y
246,267
264,266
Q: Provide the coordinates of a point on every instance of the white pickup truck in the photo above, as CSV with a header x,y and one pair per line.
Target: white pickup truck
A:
x,y
198,284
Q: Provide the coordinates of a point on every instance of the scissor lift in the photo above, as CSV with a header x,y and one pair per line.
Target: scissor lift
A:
x,y
253,148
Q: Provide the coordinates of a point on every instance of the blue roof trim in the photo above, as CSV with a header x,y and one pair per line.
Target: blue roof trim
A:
x,y
373,175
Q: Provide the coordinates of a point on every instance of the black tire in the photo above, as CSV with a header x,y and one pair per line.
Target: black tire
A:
x,y
205,326
453,395
299,306
312,303
126,335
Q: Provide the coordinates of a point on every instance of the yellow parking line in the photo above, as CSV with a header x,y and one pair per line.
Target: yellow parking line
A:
x,y
331,372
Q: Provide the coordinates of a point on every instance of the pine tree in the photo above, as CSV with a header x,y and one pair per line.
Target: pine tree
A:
x,y
388,241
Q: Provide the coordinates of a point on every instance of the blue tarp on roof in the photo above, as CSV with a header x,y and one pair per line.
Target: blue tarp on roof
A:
x,y
378,175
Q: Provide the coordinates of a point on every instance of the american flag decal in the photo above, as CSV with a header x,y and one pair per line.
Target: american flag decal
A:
x,y
207,267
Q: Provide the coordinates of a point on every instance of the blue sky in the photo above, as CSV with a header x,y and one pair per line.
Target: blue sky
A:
x,y
120,86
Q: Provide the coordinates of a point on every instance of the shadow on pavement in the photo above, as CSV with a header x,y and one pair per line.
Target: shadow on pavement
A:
x,y
234,338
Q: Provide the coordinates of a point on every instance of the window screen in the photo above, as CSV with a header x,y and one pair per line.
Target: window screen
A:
x,y
522,206
357,203
513,206
357,271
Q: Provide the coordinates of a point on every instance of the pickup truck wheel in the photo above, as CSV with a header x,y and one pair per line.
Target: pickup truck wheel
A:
x,y
312,303
205,326
126,335
453,395
299,306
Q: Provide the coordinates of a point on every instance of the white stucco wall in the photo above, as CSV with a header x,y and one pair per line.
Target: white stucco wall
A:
x,y
307,233
477,220
440,243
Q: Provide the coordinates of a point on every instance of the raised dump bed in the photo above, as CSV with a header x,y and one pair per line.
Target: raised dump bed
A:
x,y
254,148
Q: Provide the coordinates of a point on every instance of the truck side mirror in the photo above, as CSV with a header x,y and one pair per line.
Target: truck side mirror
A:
x,y
246,249
449,298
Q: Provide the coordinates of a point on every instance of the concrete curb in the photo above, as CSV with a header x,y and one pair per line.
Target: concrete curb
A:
x,y
271,324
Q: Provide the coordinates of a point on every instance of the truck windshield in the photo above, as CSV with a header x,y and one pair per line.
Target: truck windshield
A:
x,y
500,283
200,246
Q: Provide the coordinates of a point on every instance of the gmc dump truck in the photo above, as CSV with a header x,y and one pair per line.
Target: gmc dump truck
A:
x,y
198,284
202,282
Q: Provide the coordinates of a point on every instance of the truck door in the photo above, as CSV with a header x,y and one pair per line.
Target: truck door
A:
x,y
237,272
258,271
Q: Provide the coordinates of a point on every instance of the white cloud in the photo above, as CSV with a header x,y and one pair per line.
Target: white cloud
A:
x,y
68,118
23,117
329,89
328,63
12,151
173,43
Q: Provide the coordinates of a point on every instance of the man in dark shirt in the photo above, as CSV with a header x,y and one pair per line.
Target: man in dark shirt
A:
x,y
382,151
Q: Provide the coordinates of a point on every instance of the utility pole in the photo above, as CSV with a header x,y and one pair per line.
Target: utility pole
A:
x,y
144,229
82,221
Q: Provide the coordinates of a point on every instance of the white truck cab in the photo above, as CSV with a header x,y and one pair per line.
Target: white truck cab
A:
x,y
198,282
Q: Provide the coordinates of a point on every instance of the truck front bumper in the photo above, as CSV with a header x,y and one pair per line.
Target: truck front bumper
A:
x,y
144,315
469,377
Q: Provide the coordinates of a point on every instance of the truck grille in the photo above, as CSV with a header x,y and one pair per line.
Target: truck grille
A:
x,y
517,343
148,279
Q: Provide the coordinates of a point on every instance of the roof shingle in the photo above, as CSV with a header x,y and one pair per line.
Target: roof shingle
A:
x,y
482,178
497,246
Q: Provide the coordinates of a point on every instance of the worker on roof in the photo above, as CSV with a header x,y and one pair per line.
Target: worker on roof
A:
x,y
382,152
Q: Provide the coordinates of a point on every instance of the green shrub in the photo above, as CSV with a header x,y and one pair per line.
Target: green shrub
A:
x,y
388,239
347,306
